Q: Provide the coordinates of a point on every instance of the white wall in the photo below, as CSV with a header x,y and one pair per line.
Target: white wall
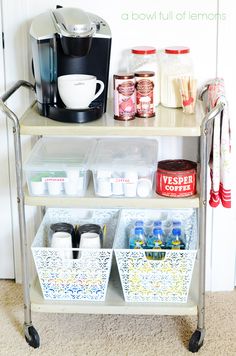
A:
x,y
224,246
142,23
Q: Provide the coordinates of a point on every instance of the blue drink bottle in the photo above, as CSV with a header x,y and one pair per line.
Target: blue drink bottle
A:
x,y
137,240
175,241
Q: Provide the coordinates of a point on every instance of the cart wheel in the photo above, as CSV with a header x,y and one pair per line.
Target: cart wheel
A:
x,y
196,341
32,337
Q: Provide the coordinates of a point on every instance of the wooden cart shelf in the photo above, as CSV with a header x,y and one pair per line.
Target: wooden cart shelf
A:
x,y
167,122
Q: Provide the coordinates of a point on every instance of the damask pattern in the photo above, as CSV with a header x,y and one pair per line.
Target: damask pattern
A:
x,y
166,279
85,278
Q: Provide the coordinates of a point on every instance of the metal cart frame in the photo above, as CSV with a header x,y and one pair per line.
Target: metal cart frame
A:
x,y
31,334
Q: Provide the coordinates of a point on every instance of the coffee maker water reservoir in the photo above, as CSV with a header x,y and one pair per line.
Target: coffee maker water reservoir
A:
x,y
69,41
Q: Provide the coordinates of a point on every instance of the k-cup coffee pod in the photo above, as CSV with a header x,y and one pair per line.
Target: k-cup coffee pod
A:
x,y
55,188
117,183
130,186
144,187
176,178
38,188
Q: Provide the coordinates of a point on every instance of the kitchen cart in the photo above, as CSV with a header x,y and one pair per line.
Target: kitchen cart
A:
x,y
168,122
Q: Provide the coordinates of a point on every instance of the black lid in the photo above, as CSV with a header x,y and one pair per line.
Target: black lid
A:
x,y
177,165
61,226
90,228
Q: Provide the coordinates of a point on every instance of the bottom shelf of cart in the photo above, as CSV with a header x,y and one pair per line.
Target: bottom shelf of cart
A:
x,y
114,303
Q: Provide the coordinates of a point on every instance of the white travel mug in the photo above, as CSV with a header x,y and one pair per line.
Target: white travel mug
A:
x,y
90,240
62,240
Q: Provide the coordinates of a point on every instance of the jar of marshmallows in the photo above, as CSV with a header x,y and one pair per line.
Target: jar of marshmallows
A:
x,y
144,58
176,63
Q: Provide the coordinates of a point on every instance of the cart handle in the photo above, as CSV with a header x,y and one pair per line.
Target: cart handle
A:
x,y
3,107
20,195
204,158
211,114
15,87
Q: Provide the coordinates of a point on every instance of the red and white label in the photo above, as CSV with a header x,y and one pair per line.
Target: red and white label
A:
x,y
175,184
122,180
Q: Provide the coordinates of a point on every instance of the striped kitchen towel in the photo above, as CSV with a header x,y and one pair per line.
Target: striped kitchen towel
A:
x,y
220,147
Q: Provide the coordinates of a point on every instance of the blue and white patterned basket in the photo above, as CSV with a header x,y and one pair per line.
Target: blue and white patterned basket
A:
x,y
85,278
165,280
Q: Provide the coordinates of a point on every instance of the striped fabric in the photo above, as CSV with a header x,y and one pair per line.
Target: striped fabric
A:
x,y
220,150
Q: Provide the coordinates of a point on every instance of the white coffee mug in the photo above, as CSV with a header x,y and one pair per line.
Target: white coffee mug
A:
x,y
62,240
77,91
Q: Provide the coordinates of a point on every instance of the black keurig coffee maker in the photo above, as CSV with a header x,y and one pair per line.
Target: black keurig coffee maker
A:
x,y
69,41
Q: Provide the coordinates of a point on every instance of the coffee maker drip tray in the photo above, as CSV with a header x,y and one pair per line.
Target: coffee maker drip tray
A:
x,y
63,114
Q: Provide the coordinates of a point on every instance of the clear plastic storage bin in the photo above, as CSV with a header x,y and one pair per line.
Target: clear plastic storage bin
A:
x,y
124,167
59,166
84,278
156,275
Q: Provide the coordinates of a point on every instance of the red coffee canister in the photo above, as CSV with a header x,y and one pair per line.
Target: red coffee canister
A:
x,y
176,178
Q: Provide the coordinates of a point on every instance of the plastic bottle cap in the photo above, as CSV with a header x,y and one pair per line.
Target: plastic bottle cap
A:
x,y
176,222
176,232
144,50
139,223
177,50
138,230
157,231
157,223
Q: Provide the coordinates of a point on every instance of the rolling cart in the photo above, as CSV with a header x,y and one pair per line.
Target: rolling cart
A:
x,y
33,124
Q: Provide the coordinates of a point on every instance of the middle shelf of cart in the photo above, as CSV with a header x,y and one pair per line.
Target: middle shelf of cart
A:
x,y
90,200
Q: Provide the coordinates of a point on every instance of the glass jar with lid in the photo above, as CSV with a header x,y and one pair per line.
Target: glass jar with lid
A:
x,y
176,63
144,58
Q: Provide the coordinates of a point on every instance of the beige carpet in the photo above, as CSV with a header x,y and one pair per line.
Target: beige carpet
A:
x,y
70,335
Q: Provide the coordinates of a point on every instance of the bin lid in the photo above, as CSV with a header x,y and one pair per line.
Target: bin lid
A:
x,y
125,154
52,153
